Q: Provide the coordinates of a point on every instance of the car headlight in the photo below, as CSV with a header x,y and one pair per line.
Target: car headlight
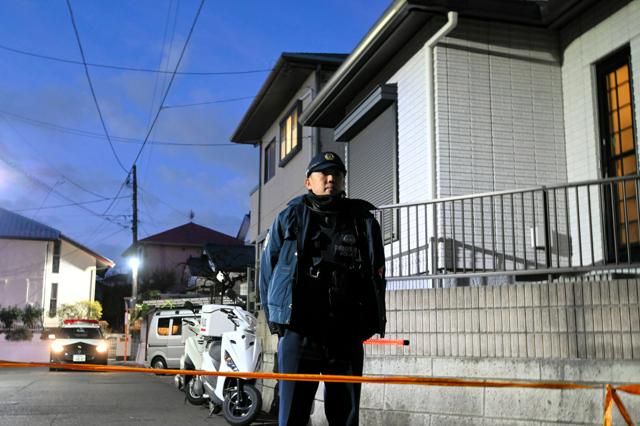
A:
x,y
56,347
102,347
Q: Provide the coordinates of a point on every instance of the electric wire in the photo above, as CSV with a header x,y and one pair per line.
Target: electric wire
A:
x,y
173,76
128,68
218,101
59,206
58,193
93,92
45,160
80,132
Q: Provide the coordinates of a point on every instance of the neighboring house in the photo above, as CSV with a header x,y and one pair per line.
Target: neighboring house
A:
x,y
41,266
272,124
168,251
498,138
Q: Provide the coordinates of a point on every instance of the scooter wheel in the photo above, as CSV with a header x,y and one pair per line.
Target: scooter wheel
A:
x,y
241,410
189,389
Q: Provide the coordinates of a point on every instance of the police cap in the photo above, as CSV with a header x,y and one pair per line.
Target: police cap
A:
x,y
324,161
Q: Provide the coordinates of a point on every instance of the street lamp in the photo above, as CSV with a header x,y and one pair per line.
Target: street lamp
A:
x,y
134,264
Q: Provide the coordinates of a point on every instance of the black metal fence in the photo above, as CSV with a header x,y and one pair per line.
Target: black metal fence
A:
x,y
563,229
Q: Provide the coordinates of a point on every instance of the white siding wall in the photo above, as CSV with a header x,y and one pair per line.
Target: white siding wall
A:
x,y
582,50
580,102
499,109
76,279
499,123
413,141
288,181
21,272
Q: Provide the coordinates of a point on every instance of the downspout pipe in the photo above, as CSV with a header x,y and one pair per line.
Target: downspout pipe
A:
x,y
452,22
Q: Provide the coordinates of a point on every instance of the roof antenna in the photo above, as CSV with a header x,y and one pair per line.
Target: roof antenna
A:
x,y
191,215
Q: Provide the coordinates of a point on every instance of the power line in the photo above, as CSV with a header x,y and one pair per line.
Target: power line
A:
x,y
58,193
182,213
127,68
93,92
65,177
85,133
218,101
59,206
173,76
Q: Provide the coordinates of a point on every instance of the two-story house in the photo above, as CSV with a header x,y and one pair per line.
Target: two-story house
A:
x,y
42,267
498,138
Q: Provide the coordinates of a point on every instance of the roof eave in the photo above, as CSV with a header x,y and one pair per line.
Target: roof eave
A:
x,y
309,61
521,13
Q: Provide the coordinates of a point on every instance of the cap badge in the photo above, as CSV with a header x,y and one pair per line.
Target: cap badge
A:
x,y
329,156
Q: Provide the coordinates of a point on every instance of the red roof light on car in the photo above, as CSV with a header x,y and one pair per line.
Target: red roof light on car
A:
x,y
80,321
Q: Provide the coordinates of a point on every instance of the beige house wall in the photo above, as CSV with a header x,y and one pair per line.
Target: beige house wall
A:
x,y
22,271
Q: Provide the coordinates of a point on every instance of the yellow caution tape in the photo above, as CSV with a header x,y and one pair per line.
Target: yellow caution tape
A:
x,y
610,398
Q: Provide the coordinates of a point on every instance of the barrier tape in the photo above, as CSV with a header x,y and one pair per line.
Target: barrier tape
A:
x,y
610,398
399,342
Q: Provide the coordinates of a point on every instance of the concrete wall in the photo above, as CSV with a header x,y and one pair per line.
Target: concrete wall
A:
x,y
22,269
584,331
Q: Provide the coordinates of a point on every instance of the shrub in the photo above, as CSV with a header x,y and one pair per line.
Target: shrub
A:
x,y
85,309
19,333
32,316
9,314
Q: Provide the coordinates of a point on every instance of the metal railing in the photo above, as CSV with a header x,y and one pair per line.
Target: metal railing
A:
x,y
549,230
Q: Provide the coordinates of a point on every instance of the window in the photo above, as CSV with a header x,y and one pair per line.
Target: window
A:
x,y
176,327
53,300
55,267
270,161
290,134
163,326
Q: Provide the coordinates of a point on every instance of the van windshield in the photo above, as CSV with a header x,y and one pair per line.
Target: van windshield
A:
x,y
79,333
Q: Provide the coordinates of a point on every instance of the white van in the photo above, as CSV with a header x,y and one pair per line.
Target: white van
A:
x,y
165,344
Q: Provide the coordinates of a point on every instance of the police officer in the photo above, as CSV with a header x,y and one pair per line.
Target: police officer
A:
x,y
322,290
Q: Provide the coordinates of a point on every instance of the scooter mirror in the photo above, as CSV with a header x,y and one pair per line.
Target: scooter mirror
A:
x,y
188,305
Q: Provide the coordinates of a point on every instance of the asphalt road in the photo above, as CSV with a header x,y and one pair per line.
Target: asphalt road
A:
x,y
36,396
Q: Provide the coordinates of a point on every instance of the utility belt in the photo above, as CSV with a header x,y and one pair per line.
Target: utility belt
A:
x,y
343,283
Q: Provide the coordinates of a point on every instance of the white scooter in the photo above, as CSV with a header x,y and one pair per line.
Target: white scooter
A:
x,y
224,340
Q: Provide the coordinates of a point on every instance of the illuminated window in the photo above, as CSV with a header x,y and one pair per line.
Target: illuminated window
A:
x,y
290,134
163,326
619,149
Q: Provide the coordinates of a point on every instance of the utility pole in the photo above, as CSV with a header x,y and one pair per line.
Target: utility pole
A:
x,y
134,226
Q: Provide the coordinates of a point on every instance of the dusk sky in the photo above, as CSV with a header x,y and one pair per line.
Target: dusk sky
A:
x,y
53,147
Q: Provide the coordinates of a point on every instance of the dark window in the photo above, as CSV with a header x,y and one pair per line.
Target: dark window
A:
x,y
619,157
163,326
290,134
56,257
270,161
53,300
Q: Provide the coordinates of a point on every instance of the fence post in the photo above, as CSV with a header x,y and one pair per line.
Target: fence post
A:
x,y
547,230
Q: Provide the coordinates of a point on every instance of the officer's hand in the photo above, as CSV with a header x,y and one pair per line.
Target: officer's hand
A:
x,y
276,328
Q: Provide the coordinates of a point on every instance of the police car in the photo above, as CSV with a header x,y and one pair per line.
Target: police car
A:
x,y
79,341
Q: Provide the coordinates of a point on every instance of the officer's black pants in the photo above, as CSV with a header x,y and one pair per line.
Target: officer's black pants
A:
x,y
307,355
